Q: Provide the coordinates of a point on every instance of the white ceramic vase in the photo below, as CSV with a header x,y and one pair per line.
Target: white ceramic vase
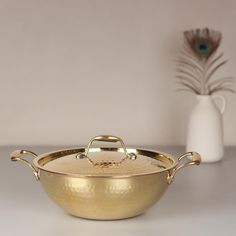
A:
x,y
205,131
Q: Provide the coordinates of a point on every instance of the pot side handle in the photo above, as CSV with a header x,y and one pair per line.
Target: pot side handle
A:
x,y
195,160
16,156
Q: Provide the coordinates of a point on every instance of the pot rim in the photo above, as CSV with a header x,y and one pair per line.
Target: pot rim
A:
x,y
52,155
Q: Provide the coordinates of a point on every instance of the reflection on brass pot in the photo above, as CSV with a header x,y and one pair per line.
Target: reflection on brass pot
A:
x,y
105,183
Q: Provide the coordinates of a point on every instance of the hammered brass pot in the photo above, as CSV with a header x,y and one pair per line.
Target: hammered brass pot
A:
x,y
105,183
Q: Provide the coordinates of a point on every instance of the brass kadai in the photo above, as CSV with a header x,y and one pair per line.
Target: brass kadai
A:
x,y
106,183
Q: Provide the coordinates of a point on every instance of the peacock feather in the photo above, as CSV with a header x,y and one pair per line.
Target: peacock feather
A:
x,y
199,61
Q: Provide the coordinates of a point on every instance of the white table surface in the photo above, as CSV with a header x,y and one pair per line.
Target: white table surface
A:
x,y
201,201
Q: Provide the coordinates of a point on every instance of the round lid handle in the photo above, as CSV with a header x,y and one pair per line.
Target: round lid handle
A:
x,y
106,138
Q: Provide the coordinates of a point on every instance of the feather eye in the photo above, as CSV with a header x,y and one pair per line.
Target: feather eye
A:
x,y
198,62
203,42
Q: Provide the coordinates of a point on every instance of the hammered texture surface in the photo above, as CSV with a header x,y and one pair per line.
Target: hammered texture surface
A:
x,y
104,198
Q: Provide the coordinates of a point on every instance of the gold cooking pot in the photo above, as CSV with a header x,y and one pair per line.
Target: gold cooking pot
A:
x,y
105,183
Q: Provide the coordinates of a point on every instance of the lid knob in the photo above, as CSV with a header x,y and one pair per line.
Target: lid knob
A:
x,y
106,138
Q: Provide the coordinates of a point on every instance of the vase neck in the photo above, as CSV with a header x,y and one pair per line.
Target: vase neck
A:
x,y
206,98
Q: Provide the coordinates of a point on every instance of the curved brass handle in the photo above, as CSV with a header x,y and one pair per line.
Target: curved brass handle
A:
x,y
106,138
16,156
196,160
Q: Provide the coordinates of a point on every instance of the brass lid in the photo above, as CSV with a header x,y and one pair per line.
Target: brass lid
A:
x,y
105,161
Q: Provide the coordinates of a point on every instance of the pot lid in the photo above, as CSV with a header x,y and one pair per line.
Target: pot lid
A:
x,y
105,161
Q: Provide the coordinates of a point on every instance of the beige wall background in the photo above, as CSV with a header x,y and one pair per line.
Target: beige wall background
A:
x,y
70,70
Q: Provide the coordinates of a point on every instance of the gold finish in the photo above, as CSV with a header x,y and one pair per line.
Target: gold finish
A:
x,y
107,138
16,156
64,162
117,192
196,160
102,198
